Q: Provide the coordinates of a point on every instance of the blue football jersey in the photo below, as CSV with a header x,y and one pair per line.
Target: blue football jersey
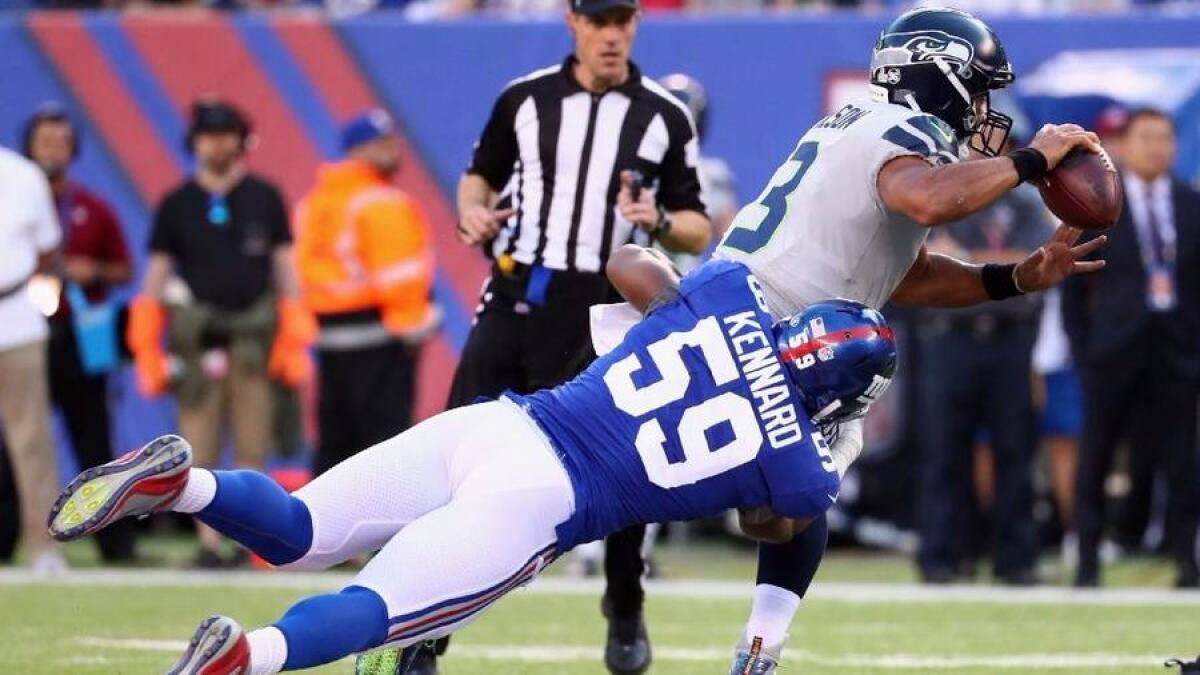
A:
x,y
692,414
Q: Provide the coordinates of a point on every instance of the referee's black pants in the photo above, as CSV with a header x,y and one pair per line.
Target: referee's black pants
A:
x,y
523,347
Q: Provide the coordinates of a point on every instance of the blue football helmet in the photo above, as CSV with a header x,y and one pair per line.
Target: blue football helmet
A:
x,y
841,355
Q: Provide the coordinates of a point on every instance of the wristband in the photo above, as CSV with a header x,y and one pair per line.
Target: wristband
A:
x,y
663,227
1029,162
1000,281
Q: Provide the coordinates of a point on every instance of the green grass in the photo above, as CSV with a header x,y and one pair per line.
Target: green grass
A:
x,y
41,628
707,559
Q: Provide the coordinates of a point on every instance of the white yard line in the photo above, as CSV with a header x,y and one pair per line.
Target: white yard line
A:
x,y
564,654
860,593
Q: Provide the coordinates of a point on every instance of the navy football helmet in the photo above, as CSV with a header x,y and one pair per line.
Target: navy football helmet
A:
x,y
841,355
691,93
945,62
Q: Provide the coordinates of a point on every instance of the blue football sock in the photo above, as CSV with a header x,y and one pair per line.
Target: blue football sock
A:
x,y
256,512
792,565
325,628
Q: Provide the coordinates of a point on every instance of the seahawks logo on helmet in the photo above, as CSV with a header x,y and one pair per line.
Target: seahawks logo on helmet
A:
x,y
899,49
927,45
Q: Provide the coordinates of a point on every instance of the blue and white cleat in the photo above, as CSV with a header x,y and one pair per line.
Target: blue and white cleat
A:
x,y
218,647
754,659
141,482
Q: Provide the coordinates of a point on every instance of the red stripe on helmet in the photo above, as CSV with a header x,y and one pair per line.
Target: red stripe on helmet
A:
x,y
836,337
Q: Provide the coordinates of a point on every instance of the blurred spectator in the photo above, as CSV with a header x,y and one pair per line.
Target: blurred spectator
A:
x,y
94,258
1133,332
977,381
1137,506
366,266
30,234
1061,412
716,178
1110,127
235,318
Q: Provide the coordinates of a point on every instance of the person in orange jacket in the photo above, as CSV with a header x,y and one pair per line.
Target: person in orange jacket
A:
x,y
237,319
366,266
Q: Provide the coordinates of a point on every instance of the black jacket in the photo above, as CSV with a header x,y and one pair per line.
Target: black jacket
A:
x,y
1105,313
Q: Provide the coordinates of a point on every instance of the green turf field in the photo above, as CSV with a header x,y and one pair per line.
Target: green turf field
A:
x,y
73,627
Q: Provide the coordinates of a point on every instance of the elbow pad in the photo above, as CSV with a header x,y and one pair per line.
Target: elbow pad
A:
x,y
848,446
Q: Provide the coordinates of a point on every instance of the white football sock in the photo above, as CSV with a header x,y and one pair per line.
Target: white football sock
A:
x,y
648,540
771,616
268,650
198,493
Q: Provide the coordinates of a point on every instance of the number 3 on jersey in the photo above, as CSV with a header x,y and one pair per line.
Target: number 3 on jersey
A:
x,y
700,460
749,236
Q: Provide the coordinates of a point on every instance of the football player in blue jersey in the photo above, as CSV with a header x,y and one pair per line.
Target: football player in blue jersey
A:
x,y
705,405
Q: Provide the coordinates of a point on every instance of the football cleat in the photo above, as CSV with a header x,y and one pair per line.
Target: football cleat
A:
x,y
139,483
754,659
627,649
417,659
1184,666
218,647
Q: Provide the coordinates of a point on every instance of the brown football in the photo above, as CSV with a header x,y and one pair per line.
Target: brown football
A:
x,y
1084,190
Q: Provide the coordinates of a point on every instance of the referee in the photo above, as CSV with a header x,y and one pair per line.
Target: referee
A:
x,y
583,156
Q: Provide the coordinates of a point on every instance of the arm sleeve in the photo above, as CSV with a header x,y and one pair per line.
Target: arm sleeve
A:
x,y
162,239
46,232
923,136
396,251
679,183
281,231
496,150
799,483
848,445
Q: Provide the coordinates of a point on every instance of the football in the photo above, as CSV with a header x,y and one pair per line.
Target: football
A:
x,y
1084,190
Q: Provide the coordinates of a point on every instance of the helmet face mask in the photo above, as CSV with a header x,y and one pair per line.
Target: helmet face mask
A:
x,y
991,132
943,62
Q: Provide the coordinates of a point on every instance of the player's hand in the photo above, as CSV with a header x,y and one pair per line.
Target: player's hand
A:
x,y
478,223
1054,141
644,212
1058,259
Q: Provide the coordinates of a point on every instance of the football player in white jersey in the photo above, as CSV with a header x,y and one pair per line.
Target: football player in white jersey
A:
x,y
847,214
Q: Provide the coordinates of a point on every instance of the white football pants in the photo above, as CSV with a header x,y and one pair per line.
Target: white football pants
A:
x,y
463,507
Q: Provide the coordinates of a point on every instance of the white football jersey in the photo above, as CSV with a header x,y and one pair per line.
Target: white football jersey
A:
x,y
820,230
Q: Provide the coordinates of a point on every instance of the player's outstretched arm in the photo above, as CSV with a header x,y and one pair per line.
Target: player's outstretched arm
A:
x,y
938,195
937,280
643,276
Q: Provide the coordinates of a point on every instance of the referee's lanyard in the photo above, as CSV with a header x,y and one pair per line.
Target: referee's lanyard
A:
x,y
1158,255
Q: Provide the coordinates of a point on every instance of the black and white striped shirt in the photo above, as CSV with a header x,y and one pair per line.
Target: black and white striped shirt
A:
x,y
557,151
